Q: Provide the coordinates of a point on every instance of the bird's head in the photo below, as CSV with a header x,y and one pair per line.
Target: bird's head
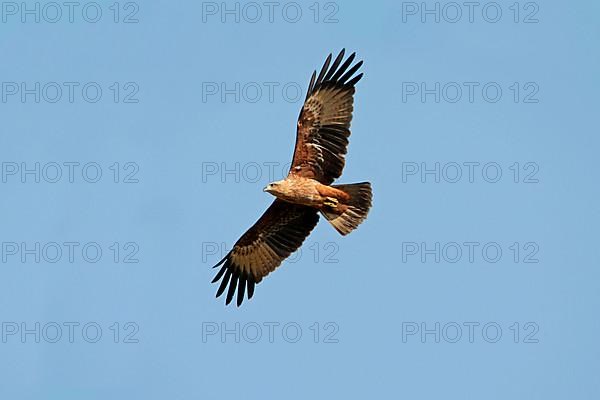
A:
x,y
273,187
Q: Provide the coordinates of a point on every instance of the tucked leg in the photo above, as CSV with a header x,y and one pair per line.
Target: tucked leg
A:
x,y
331,202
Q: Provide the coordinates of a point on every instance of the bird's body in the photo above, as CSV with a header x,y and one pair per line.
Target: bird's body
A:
x,y
323,130
306,192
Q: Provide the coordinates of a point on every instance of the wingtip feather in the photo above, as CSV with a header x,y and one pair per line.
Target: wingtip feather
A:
x,y
232,287
224,283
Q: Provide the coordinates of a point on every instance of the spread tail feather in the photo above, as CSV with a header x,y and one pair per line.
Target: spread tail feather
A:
x,y
348,214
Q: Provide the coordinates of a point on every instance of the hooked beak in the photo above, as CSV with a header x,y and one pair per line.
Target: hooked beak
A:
x,y
266,188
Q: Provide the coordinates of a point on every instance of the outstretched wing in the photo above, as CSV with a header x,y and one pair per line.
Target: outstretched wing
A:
x,y
324,121
276,235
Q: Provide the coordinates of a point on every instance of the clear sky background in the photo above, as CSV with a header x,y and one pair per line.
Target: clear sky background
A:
x,y
397,309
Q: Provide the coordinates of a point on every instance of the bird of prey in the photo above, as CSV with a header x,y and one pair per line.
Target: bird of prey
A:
x,y
322,134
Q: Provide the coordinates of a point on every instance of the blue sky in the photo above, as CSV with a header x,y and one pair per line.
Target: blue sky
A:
x,y
134,150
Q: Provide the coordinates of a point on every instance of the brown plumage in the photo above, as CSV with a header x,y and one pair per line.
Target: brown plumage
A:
x,y
322,136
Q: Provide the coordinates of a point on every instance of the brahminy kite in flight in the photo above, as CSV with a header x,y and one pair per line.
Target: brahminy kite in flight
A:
x,y
322,136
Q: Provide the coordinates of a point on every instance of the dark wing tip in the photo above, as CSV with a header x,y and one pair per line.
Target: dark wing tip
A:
x,y
223,260
219,274
350,72
336,74
323,70
251,284
311,84
224,282
232,278
354,80
232,287
241,289
334,66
